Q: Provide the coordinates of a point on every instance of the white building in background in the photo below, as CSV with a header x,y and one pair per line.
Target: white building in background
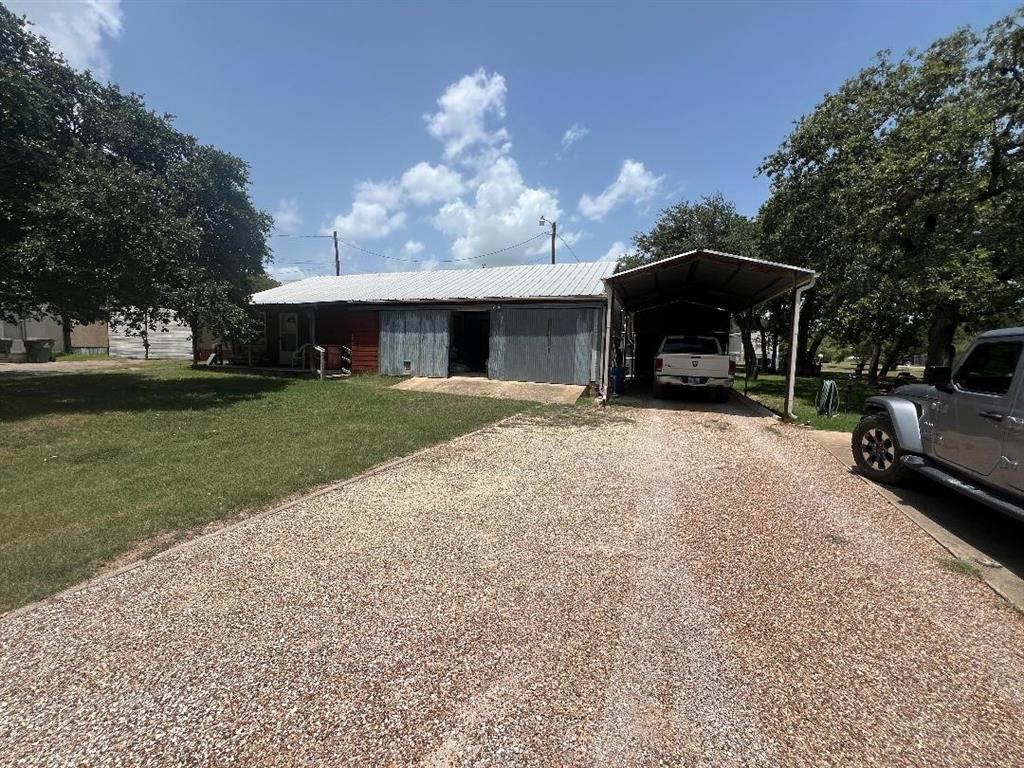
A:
x,y
85,339
168,341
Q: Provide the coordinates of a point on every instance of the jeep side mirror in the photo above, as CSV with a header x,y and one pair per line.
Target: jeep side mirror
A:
x,y
939,376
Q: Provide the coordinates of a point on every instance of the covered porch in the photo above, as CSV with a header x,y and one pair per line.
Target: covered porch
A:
x,y
336,338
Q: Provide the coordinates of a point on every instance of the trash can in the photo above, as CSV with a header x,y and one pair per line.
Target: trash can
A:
x,y
39,350
618,379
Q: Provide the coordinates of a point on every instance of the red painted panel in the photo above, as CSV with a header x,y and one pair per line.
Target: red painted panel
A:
x,y
364,341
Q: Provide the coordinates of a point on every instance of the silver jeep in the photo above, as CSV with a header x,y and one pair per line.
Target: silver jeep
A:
x,y
964,429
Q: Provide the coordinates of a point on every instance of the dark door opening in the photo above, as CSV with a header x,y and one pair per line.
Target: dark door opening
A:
x,y
470,343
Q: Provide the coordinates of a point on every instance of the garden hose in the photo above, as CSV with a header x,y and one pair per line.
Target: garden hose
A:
x,y
827,401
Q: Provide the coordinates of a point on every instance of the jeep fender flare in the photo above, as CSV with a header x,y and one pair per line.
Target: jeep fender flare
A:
x,y
904,419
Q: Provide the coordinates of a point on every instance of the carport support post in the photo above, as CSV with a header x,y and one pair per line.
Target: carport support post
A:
x,y
797,295
607,352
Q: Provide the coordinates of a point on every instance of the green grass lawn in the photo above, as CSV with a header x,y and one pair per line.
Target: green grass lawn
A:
x,y
96,464
770,389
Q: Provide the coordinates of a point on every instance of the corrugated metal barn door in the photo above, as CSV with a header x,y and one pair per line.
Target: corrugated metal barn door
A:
x,y
416,336
546,345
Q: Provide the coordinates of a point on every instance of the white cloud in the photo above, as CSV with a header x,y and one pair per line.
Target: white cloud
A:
x,y
615,251
369,221
465,105
373,213
572,134
79,30
286,216
425,183
504,210
634,184
387,194
485,204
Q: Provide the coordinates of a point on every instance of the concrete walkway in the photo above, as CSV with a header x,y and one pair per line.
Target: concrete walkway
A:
x,y
549,394
627,586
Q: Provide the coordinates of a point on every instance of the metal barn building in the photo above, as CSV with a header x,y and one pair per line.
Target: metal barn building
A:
x,y
541,323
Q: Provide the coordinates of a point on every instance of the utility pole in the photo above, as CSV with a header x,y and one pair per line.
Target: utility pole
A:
x,y
554,233
337,260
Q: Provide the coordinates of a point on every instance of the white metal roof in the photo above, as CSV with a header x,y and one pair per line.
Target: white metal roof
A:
x,y
719,279
541,281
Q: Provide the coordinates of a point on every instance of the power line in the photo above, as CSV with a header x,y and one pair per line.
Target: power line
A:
x,y
420,261
566,244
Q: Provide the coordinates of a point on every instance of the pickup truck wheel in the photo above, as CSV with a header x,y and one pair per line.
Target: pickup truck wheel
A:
x,y
657,391
722,394
876,451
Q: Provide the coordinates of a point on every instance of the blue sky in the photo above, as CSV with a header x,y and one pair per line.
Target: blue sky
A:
x,y
432,132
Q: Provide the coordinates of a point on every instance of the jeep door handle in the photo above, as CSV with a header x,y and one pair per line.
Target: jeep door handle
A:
x,y
991,415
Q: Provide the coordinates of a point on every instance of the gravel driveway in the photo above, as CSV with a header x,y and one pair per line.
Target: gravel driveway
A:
x,y
605,590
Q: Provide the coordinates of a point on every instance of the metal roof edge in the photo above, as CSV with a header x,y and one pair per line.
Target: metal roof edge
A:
x,y
810,273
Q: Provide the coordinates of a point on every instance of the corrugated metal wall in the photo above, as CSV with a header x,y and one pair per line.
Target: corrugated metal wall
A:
x,y
168,341
560,346
419,336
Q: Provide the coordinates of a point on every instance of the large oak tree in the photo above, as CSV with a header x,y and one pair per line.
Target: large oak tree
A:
x,y
106,208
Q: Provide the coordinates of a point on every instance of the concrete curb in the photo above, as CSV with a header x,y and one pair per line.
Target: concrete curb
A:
x,y
257,516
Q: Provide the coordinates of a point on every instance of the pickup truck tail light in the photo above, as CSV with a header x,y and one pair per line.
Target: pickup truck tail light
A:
x,y
732,367
658,362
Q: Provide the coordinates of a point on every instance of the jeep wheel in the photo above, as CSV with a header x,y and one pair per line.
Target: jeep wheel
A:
x,y
876,451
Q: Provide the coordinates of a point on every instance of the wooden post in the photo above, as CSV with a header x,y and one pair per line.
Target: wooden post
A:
x,y
337,258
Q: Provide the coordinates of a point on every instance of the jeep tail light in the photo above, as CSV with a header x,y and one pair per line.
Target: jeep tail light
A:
x,y
657,364
732,367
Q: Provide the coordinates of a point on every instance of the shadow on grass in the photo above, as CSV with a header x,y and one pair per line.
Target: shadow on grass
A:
x,y
28,397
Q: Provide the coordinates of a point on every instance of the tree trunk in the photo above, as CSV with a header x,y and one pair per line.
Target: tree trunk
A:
x,y
65,331
876,352
763,334
804,359
890,359
745,322
945,319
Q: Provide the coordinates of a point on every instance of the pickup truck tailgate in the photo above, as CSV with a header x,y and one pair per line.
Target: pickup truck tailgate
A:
x,y
712,366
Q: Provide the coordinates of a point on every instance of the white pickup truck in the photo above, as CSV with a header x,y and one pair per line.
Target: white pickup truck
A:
x,y
694,363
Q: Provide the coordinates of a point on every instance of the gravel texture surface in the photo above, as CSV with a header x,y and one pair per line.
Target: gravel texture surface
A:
x,y
638,587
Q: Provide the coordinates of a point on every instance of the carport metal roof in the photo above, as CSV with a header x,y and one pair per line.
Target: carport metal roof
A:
x,y
725,280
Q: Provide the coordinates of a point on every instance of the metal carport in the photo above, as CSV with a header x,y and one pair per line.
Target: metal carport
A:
x,y
716,279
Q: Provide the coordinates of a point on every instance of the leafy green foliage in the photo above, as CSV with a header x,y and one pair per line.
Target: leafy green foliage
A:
x,y
106,208
904,189
711,223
